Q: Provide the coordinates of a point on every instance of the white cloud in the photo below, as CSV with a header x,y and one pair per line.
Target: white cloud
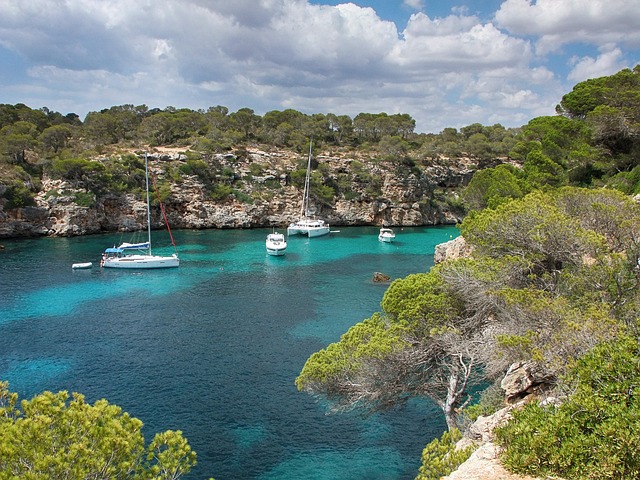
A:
x,y
414,4
608,63
559,22
274,54
457,42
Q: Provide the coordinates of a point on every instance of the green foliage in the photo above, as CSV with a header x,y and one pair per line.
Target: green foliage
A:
x,y
84,199
163,192
420,297
196,167
595,433
242,197
534,228
298,176
125,174
393,147
75,169
371,337
540,170
221,191
54,436
17,195
324,193
626,182
440,457
491,187
56,137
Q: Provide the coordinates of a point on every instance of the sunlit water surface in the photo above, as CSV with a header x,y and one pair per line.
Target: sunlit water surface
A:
x,y
213,348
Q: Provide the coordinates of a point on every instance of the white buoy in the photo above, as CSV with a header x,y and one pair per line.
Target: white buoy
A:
x,y
76,266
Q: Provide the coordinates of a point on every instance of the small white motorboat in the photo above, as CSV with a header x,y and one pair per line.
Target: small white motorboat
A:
x,y
386,235
77,266
276,244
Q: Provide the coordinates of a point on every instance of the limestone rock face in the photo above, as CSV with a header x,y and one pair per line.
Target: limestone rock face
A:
x,y
452,250
484,464
264,195
523,379
523,383
483,427
24,222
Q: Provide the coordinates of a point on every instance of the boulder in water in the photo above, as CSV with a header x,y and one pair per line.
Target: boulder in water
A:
x,y
380,277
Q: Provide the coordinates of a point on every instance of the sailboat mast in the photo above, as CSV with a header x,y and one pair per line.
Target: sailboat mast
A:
x,y
146,171
305,201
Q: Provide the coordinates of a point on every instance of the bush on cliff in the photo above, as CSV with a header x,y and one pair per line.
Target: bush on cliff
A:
x,y
594,433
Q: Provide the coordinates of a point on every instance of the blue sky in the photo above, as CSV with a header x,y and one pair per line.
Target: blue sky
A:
x,y
445,63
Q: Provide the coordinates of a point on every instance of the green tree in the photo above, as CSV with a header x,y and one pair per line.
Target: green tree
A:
x,y
16,139
56,137
55,436
412,349
547,282
491,187
393,147
540,170
245,121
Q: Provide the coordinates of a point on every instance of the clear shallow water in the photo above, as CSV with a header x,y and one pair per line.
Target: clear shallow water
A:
x,y
213,348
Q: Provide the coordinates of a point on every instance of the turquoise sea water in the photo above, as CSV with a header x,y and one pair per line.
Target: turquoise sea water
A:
x,y
213,348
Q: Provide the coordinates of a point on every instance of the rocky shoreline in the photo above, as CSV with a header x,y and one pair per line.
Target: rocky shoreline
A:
x,y
405,199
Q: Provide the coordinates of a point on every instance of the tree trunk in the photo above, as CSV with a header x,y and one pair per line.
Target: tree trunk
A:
x,y
450,403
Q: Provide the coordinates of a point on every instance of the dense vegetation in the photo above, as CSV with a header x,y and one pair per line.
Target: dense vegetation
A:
x,y
553,278
54,436
593,143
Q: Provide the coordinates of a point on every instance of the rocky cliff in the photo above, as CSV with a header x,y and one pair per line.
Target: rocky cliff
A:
x,y
523,383
264,196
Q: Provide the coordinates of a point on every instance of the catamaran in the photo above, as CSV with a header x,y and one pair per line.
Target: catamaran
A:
x,y
119,257
307,225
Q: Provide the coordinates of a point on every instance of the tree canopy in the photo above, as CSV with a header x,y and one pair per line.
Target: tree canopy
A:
x,y
54,435
551,276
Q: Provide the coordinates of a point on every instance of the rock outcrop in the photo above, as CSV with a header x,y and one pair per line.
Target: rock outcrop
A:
x,y
523,383
379,277
523,379
452,250
484,464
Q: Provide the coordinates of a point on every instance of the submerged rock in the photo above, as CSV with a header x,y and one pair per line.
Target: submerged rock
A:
x,y
381,277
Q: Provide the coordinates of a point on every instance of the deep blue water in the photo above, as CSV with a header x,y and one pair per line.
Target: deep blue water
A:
x,y
213,348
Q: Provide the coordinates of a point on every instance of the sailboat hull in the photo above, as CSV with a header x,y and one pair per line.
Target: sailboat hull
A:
x,y
117,257
141,261
311,228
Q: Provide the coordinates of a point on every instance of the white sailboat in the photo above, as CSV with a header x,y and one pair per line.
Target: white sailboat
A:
x,y
118,257
307,225
276,244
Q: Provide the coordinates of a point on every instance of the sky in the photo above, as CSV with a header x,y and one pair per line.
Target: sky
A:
x,y
445,63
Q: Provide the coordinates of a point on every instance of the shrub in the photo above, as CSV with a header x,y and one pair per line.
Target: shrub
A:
x,y
84,199
18,195
595,433
440,457
221,191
